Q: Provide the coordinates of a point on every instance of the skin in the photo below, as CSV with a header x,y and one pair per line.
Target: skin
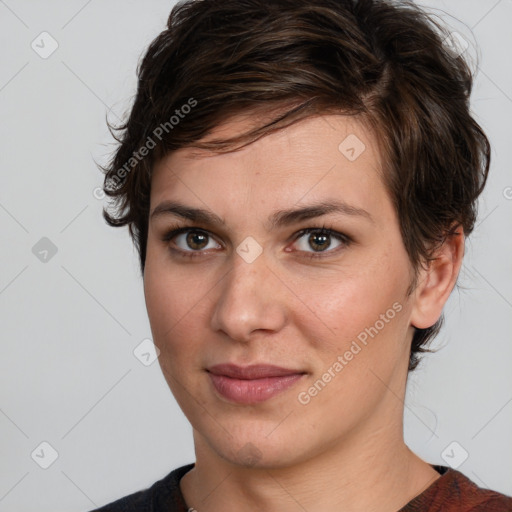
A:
x,y
289,310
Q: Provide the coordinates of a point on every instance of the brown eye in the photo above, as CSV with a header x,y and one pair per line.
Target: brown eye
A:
x,y
317,240
321,240
196,240
189,241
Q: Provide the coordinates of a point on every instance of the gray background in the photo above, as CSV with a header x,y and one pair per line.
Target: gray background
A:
x,y
70,324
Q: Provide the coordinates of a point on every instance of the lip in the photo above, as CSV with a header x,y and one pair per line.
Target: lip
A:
x,y
254,371
252,384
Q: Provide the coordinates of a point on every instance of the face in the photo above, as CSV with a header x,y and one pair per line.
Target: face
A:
x,y
242,283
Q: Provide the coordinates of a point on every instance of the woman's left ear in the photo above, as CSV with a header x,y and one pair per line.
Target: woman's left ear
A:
x,y
437,281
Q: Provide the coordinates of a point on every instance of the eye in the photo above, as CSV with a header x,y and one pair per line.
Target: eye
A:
x,y
321,241
191,242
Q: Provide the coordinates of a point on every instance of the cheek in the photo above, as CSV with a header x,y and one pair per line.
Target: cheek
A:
x,y
366,346
177,304
163,303
353,301
170,293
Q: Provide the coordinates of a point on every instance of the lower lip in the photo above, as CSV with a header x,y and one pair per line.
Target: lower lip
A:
x,y
254,390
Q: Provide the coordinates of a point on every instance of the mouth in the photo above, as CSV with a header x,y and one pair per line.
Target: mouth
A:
x,y
252,384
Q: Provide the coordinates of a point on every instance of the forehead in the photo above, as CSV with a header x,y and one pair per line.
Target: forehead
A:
x,y
323,155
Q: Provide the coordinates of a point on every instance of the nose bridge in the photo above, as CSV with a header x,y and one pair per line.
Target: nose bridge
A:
x,y
249,299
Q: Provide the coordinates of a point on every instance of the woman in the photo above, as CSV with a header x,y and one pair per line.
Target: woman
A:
x,y
299,178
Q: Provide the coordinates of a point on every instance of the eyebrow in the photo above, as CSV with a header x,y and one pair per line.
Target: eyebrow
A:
x,y
278,219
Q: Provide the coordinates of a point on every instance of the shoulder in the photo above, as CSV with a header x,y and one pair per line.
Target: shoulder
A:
x,y
455,492
163,495
474,498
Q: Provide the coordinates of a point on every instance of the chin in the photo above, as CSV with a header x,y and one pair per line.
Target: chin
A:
x,y
258,450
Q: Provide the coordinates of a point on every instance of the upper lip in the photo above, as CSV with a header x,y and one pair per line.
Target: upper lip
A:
x,y
256,371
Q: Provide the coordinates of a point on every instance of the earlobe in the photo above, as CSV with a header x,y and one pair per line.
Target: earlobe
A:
x,y
436,282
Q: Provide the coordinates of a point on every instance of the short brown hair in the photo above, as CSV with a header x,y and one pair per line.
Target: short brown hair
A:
x,y
381,60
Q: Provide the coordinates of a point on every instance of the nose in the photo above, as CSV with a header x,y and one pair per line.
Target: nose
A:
x,y
251,299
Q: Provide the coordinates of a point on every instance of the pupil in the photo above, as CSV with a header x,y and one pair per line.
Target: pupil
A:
x,y
323,238
196,240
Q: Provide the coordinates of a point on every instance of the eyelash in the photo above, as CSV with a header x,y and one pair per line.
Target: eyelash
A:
x,y
323,230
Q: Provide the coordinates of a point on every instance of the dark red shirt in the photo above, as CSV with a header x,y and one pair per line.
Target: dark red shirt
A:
x,y
452,492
